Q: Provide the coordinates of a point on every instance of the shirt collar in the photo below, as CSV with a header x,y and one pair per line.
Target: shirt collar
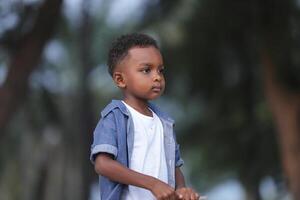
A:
x,y
118,104
112,105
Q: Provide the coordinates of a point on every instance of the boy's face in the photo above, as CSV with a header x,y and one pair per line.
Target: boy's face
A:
x,y
140,74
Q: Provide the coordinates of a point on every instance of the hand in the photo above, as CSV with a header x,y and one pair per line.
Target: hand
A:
x,y
162,191
185,193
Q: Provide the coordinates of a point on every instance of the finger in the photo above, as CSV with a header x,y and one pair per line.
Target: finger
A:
x,y
186,196
169,195
193,196
175,197
165,196
180,196
172,196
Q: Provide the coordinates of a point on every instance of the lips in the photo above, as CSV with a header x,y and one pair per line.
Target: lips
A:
x,y
156,88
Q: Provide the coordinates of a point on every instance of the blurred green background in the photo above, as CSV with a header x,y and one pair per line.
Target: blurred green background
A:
x,y
233,82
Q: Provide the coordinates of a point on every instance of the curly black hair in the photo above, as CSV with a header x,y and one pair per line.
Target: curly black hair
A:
x,y
123,44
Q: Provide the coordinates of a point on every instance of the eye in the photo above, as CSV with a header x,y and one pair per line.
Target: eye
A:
x,y
161,71
146,70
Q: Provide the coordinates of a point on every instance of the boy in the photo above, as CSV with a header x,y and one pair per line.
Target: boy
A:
x,y
134,147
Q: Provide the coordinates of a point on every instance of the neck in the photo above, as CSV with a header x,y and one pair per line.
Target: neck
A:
x,y
139,105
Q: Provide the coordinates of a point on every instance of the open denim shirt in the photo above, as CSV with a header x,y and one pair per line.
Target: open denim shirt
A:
x,y
114,135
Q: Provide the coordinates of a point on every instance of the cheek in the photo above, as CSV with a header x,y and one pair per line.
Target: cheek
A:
x,y
163,82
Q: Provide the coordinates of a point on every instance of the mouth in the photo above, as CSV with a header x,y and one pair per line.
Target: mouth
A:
x,y
156,88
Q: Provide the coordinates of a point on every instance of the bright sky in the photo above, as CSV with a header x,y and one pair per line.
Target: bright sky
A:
x,y
120,10
123,10
229,190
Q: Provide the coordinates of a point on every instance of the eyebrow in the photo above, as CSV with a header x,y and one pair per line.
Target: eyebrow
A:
x,y
150,64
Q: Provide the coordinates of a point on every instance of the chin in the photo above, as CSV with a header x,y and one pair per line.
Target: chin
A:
x,y
154,97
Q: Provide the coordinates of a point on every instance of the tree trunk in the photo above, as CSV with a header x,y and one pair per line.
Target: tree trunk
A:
x,y
283,102
86,118
25,59
285,107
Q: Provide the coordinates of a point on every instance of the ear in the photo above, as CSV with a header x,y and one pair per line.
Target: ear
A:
x,y
119,79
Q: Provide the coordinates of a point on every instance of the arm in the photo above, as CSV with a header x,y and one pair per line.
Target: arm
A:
x,y
182,191
106,166
179,178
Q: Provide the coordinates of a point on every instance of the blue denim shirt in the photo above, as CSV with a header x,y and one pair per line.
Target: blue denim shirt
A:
x,y
114,135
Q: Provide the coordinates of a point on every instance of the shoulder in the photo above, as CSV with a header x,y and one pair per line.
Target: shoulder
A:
x,y
113,112
112,116
115,106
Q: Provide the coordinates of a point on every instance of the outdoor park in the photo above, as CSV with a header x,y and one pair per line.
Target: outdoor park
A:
x,y
233,88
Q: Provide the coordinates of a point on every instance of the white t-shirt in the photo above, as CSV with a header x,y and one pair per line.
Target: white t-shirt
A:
x,y
148,154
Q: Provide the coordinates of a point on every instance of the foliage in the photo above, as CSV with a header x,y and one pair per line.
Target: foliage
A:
x,y
215,84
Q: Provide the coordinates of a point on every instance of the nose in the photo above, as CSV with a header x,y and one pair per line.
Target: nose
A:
x,y
157,76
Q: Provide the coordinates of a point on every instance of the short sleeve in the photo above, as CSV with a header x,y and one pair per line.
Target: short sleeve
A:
x,y
105,137
178,160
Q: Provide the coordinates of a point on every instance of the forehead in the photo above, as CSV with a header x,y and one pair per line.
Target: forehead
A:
x,y
144,54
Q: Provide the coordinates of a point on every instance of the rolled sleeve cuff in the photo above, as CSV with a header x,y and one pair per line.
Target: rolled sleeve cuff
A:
x,y
179,163
103,148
